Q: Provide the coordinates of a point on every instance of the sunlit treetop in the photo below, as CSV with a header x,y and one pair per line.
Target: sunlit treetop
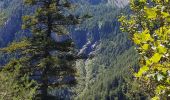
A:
x,y
149,28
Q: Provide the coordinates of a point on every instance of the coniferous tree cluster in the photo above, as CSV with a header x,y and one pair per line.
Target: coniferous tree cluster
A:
x,y
41,63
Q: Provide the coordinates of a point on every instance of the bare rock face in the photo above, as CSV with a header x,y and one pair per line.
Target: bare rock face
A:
x,y
118,3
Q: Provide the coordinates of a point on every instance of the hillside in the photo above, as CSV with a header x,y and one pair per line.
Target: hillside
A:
x,y
107,74
12,12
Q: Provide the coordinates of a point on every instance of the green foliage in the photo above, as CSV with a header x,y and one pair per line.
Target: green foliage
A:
x,y
42,59
14,86
99,14
114,82
107,75
148,26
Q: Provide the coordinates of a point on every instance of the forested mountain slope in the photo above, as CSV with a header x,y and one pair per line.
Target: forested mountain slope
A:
x,y
104,76
108,74
11,11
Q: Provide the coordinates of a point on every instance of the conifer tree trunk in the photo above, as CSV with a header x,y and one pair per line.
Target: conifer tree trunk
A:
x,y
44,73
44,85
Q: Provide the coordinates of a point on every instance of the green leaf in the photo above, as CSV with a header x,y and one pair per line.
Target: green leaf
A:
x,y
142,71
151,12
156,58
162,49
145,47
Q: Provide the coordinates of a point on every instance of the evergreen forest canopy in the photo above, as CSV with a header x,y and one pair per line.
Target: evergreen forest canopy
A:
x,y
35,64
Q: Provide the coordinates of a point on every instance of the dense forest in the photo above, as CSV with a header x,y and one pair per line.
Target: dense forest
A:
x,y
84,50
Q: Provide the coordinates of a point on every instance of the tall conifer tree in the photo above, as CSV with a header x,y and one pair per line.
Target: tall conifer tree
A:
x,y
49,62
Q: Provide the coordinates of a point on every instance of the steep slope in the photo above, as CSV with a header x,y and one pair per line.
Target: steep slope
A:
x,y
12,12
116,3
106,74
10,25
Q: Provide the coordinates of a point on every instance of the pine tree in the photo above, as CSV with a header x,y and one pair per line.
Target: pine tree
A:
x,y
15,80
148,26
50,63
13,85
16,87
